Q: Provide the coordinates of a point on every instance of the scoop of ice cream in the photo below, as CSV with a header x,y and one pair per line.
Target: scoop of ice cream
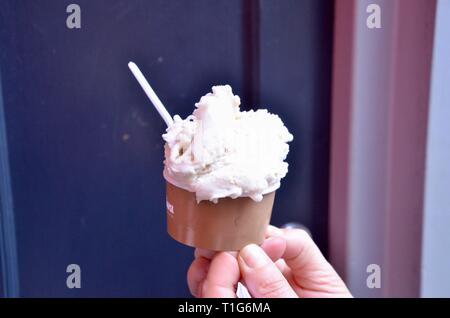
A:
x,y
220,151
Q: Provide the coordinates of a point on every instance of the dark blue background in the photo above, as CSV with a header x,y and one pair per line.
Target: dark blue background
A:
x,y
85,147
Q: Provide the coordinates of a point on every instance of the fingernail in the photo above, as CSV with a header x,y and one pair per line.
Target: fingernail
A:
x,y
274,231
269,240
253,256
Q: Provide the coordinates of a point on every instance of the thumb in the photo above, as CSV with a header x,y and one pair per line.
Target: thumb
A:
x,y
262,277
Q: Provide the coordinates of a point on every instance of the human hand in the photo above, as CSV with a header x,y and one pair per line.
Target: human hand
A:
x,y
288,264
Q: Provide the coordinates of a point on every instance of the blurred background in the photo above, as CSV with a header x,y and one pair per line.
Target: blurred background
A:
x,y
81,149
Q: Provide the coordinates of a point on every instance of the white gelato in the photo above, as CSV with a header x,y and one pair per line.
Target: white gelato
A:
x,y
219,151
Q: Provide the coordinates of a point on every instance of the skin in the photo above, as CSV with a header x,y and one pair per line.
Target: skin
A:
x,y
287,265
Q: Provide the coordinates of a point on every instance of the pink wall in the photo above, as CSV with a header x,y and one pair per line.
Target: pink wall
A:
x,y
380,105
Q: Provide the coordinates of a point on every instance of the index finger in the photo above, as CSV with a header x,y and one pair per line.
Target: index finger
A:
x,y
222,278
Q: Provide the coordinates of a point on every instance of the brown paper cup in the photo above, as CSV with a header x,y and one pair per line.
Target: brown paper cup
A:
x,y
227,225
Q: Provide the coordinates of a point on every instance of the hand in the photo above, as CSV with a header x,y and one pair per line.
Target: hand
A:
x,y
288,264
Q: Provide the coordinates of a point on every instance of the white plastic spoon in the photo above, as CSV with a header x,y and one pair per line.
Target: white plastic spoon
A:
x,y
151,94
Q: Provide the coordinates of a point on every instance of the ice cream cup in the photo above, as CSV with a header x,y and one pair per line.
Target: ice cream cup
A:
x,y
228,225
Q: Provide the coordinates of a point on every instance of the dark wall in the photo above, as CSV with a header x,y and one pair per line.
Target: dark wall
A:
x,y
85,147
2,294
295,81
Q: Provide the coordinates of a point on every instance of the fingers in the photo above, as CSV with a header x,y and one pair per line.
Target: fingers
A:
x,y
201,252
302,254
297,249
273,231
222,278
262,277
308,267
198,270
274,247
212,274
287,264
196,275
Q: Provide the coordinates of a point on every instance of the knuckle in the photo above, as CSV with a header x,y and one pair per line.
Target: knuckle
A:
x,y
270,288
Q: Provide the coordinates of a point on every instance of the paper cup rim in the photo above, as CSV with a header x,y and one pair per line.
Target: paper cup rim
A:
x,y
176,184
